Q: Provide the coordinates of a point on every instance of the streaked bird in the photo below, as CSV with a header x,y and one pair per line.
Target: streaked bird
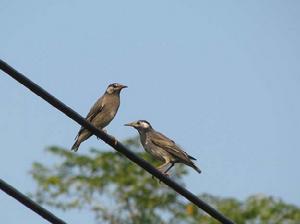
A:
x,y
102,113
161,147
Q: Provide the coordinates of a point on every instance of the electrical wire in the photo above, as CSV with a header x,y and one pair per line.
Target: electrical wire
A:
x,y
112,142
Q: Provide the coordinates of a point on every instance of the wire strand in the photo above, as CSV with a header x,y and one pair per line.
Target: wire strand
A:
x,y
13,192
111,141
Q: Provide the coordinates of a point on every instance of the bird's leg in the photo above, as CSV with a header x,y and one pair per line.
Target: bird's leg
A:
x,y
166,171
161,167
105,131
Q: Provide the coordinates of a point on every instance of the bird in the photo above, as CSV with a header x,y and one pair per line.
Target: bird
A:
x,y
101,113
161,147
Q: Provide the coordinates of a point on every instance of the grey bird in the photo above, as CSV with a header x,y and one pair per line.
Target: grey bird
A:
x,y
161,147
102,112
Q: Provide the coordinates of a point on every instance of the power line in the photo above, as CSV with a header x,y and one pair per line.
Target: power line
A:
x,y
8,189
111,141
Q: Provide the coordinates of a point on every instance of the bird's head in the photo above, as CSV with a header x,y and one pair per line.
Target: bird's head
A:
x,y
140,125
115,88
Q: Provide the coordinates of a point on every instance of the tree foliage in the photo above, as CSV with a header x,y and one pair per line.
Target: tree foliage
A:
x,y
118,191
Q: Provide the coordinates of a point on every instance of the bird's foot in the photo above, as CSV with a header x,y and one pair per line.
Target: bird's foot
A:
x,y
114,139
104,130
159,181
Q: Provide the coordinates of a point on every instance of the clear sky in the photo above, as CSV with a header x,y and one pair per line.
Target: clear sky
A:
x,y
221,78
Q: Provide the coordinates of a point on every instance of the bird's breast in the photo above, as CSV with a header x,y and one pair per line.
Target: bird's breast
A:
x,y
152,149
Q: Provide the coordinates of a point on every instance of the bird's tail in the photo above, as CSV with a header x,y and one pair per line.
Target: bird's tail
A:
x,y
191,164
195,168
75,146
191,157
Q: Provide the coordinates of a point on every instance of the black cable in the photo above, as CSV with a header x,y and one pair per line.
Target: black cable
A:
x,y
8,189
111,141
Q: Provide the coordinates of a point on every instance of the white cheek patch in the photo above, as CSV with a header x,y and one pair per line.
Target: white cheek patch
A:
x,y
145,125
110,90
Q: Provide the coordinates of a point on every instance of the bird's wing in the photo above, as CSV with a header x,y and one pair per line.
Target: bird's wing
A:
x,y
96,109
169,145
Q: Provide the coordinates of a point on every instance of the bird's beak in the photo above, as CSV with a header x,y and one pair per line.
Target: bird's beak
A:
x,y
132,124
123,87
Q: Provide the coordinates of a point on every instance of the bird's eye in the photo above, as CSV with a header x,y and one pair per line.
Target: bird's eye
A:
x,y
115,85
138,123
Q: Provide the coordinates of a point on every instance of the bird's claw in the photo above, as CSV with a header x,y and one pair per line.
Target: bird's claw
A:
x,y
165,174
104,130
115,141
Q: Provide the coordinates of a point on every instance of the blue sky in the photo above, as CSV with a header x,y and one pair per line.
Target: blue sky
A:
x,y
221,78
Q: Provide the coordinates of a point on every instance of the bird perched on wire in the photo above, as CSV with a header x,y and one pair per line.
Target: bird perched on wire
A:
x,y
161,147
102,113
